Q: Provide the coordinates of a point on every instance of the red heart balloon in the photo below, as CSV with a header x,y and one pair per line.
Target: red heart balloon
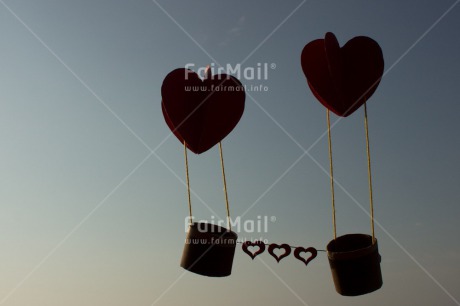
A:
x,y
201,112
342,79
258,244
273,246
299,250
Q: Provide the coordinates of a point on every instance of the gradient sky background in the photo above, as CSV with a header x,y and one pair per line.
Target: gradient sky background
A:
x,y
92,196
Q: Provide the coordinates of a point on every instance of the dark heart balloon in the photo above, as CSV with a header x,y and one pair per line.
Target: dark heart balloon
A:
x,y
258,244
342,79
299,250
201,112
273,246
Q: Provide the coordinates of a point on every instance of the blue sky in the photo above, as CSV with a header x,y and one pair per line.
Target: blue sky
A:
x,y
92,198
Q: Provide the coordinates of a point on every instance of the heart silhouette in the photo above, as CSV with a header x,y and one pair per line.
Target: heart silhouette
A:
x,y
342,79
299,250
273,246
258,244
201,112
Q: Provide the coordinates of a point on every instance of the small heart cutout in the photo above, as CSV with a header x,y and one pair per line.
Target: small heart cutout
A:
x,y
255,244
273,246
300,250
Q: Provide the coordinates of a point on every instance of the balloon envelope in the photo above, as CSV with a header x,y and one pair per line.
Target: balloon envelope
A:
x,y
342,78
201,112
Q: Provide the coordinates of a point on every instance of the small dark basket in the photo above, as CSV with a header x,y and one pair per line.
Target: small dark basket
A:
x,y
355,264
209,250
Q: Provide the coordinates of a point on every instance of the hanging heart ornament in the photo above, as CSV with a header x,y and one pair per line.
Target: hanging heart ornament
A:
x,y
342,78
284,246
258,244
201,112
299,250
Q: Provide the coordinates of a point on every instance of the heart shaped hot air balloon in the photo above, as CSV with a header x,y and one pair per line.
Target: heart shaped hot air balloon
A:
x,y
342,78
201,112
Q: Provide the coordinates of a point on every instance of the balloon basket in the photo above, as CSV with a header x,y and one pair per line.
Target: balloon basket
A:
x,y
355,264
209,250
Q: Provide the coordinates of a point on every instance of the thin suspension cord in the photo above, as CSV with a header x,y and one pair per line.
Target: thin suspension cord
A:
x,y
229,223
188,183
371,201
331,174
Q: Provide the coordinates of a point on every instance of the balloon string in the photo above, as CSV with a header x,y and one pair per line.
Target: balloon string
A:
x,y
371,201
331,173
188,183
229,223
